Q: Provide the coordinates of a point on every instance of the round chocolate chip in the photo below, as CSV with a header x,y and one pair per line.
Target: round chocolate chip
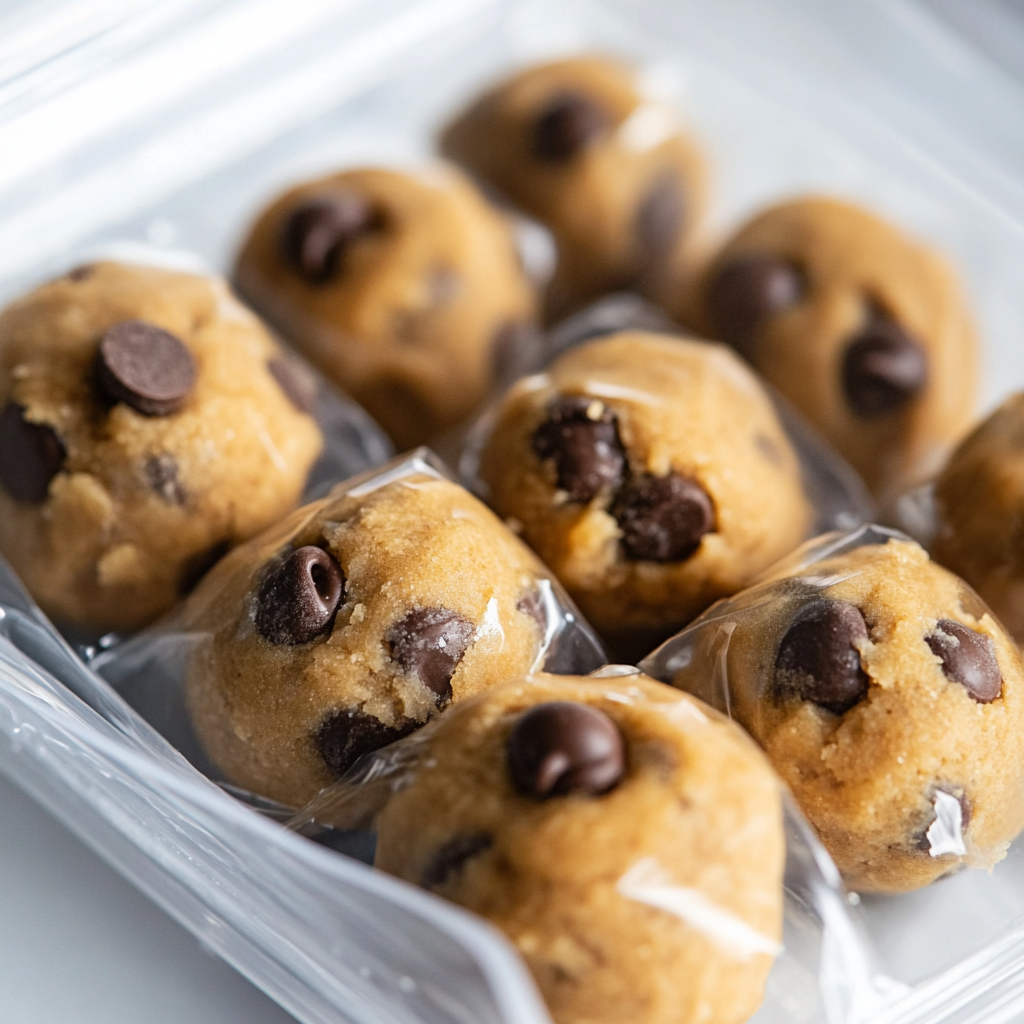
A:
x,y
299,599
567,125
429,643
298,387
659,218
316,233
563,747
883,369
348,734
31,455
746,291
145,367
817,659
452,857
663,518
581,435
968,658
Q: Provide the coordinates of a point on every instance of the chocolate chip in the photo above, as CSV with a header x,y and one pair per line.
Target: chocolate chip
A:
x,y
31,455
968,658
196,567
921,840
659,218
298,600
817,659
883,369
746,291
162,477
298,387
348,734
563,747
663,518
316,233
429,643
451,858
567,125
82,273
581,435
145,367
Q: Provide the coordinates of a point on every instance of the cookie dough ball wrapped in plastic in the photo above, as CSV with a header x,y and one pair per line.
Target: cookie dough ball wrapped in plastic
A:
x,y
359,618
405,289
578,145
625,837
147,423
884,693
652,474
864,329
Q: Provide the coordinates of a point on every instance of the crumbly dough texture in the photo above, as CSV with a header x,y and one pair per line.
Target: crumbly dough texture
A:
x,y
566,878
421,313
415,543
866,779
979,502
142,503
625,211
681,405
854,263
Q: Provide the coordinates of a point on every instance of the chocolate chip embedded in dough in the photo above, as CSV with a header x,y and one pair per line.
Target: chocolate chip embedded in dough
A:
x,y
747,290
562,747
566,126
659,218
316,233
346,735
162,477
31,455
968,658
429,643
298,600
921,839
298,387
883,369
452,857
581,436
145,367
663,518
817,659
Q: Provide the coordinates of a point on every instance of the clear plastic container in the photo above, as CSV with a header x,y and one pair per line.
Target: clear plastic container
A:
x,y
133,123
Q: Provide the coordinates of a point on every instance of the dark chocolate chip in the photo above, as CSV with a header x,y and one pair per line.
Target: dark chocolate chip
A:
x,y
663,518
581,435
746,291
883,369
316,233
567,125
31,455
145,367
920,839
451,858
348,734
196,567
968,658
563,747
298,600
817,659
82,273
429,643
162,477
659,218
298,387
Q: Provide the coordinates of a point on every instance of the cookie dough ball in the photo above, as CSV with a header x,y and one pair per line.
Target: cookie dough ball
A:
x,y
629,844
579,146
147,423
864,329
979,504
405,289
653,476
889,700
353,623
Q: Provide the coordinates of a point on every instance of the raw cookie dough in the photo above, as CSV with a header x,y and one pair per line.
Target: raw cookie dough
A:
x,y
979,504
889,700
352,623
579,146
651,474
864,329
598,823
147,423
405,289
